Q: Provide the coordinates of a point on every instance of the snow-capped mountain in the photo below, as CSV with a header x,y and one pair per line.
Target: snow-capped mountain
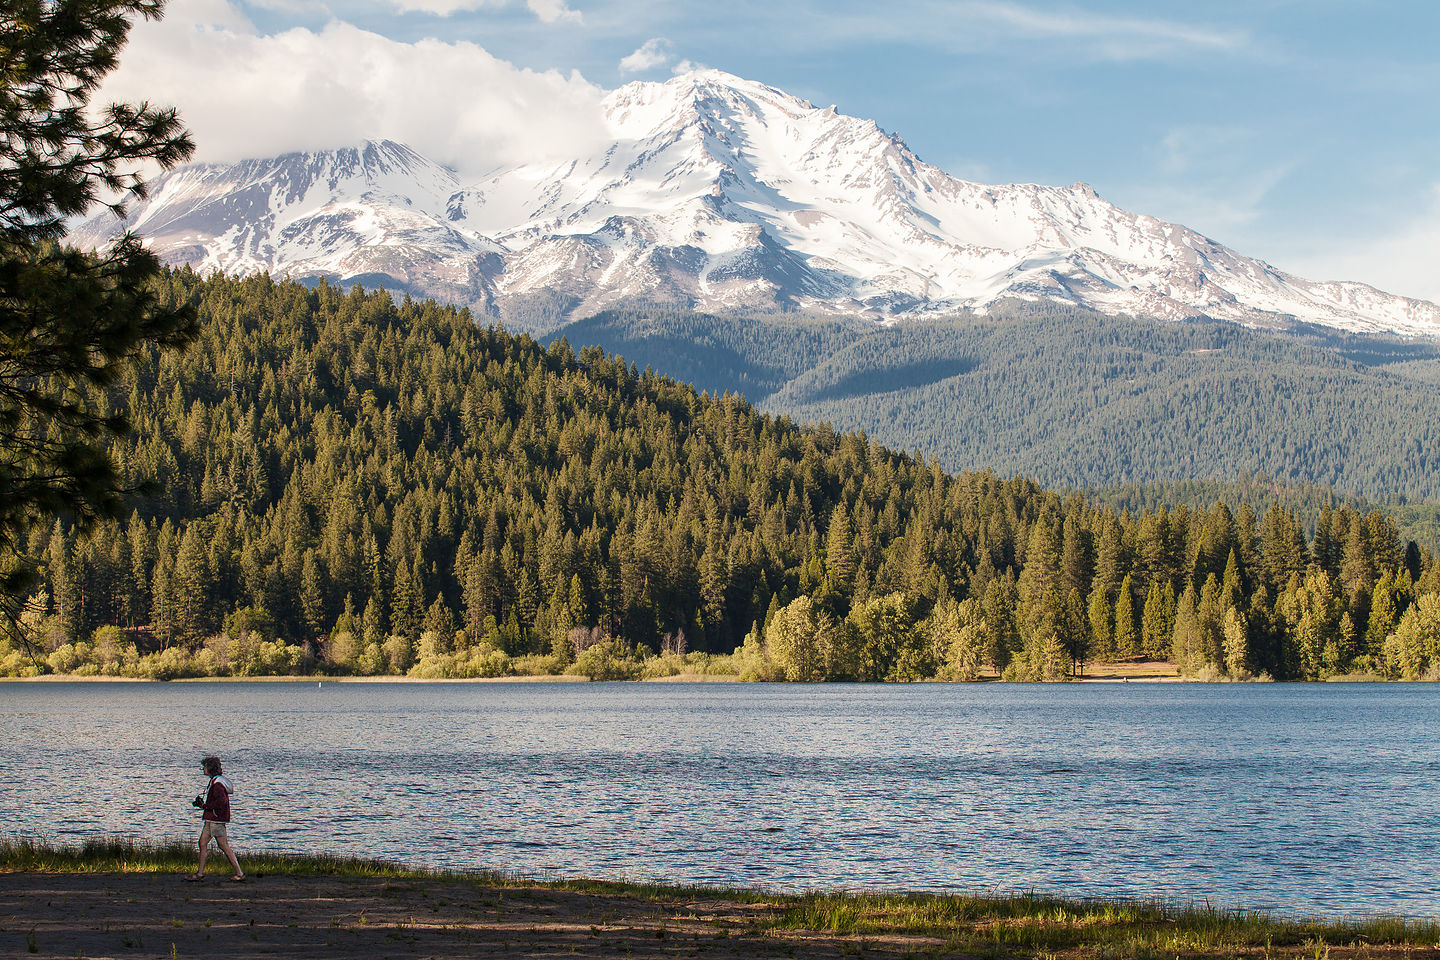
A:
x,y
721,194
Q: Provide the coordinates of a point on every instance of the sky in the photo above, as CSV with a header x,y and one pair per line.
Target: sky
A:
x,y
1303,132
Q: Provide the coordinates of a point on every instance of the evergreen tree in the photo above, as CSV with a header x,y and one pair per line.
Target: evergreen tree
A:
x,y
312,595
1102,624
1237,644
440,625
69,320
1210,615
1155,628
1126,643
1186,644
840,562
406,614
189,587
1075,563
1110,554
1383,616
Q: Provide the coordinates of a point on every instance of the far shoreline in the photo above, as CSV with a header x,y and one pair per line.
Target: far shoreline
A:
x,y
1150,672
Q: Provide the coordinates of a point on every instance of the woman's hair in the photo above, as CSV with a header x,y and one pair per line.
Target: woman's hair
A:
x,y
212,765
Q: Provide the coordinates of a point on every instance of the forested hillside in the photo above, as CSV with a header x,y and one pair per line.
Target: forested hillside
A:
x,y
359,486
1075,399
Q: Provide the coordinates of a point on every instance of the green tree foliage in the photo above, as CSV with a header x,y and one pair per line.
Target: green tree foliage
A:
x,y
889,644
957,637
806,644
1413,650
1145,402
481,504
69,322
1126,643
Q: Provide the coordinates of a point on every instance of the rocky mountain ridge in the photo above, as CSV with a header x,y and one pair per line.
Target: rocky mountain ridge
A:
x,y
721,194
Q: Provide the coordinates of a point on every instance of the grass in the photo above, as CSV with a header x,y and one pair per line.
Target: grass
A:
x,y
1119,928
1022,925
118,855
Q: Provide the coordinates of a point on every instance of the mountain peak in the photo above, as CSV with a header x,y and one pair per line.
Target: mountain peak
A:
x,y
721,193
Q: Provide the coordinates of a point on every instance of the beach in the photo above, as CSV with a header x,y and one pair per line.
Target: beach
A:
x,y
65,915
148,912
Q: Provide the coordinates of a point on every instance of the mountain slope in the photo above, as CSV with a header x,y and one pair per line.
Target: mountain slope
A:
x,y
1074,398
364,477
724,194
378,212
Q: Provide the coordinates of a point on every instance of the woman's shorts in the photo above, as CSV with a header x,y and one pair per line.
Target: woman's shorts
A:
x,y
213,830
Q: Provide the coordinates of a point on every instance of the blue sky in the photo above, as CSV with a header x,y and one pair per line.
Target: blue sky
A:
x,y
1302,133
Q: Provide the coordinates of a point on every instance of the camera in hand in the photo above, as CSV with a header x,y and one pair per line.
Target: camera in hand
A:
x,y
198,802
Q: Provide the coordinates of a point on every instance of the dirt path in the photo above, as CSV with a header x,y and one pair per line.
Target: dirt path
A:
x,y
158,915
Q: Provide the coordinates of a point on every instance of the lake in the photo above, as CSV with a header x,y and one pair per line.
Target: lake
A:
x,y
1316,799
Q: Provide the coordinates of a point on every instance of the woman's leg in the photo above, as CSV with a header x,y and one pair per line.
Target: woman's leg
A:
x,y
204,849
224,844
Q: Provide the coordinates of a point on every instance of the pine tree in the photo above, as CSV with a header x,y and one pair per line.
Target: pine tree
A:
x,y
1185,642
998,609
406,613
1383,616
1210,615
69,319
440,625
1237,644
312,595
1075,560
1155,628
1126,643
64,588
190,587
1110,555
840,562
1102,624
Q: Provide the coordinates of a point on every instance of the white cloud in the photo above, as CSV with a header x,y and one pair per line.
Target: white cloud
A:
x,y
247,94
1207,177
1400,260
1059,33
442,8
553,11
1121,38
549,11
653,53
307,7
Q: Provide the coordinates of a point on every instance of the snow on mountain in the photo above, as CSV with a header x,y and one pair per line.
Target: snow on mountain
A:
x,y
720,193
378,211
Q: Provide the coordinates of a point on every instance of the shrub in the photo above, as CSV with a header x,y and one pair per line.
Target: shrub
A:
x,y
537,665
606,660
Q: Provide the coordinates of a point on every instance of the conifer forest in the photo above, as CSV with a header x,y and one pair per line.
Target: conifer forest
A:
x,y
335,482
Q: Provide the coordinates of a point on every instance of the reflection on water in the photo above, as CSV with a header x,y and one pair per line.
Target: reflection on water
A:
x,y
1312,799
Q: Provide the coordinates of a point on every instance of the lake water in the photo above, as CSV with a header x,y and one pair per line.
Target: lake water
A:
x,y
1310,799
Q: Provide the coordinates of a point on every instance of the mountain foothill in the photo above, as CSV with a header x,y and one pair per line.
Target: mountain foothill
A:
x,y
358,484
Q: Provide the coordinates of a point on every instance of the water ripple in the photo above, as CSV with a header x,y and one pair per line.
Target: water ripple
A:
x,y
1309,799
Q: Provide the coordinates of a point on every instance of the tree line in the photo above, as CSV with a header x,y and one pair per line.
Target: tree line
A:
x,y
351,484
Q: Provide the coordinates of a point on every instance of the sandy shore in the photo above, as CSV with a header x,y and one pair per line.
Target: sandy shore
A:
x,y
51,915
1135,672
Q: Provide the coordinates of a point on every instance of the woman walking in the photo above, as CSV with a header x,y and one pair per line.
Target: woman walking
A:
x,y
216,819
